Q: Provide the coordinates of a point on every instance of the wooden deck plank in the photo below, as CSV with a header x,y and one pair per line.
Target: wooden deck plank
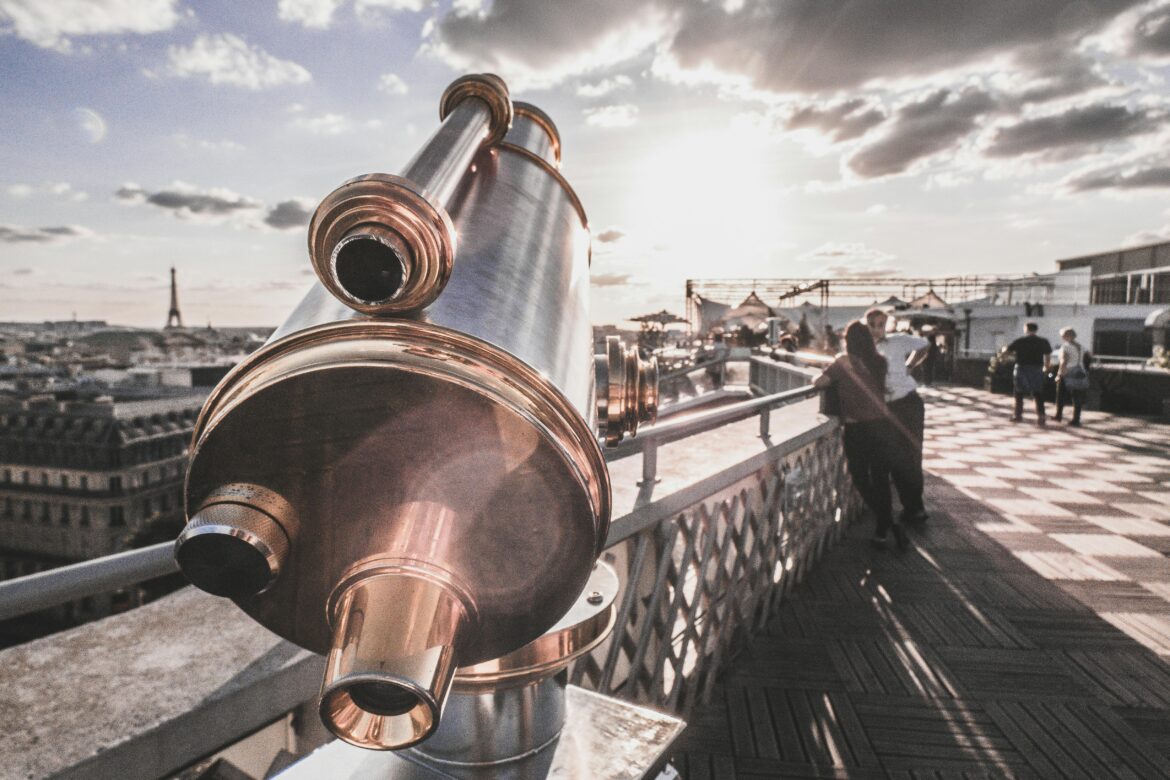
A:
x,y
959,659
785,727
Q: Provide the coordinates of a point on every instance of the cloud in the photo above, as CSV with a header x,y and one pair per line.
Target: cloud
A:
x,y
51,25
1078,130
290,214
610,280
1051,72
314,14
64,189
1148,175
611,116
842,121
188,202
60,189
535,43
829,45
1150,36
921,129
391,84
325,124
10,234
854,260
611,235
184,141
318,14
229,59
92,124
604,87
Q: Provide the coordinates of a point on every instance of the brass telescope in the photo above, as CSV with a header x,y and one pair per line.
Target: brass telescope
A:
x,y
408,478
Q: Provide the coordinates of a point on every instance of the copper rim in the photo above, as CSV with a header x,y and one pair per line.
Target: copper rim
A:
x,y
551,170
420,233
544,121
489,88
442,352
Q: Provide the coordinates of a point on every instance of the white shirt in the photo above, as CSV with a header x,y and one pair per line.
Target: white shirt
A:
x,y
1068,355
896,348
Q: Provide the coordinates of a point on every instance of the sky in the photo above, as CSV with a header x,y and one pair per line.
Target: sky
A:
x,y
743,138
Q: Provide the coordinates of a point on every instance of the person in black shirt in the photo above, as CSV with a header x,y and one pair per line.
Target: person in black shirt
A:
x,y
1033,354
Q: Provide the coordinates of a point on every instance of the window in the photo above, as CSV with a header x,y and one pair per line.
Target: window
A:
x,y
45,512
115,484
64,514
64,481
117,517
26,510
84,483
84,522
24,477
44,479
7,475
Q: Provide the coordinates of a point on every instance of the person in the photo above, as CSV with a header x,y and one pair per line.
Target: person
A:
x,y
1072,380
930,363
859,376
717,371
903,352
1033,354
832,340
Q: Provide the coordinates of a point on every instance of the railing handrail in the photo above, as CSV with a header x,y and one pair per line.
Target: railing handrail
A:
x,y
701,423
79,580
42,590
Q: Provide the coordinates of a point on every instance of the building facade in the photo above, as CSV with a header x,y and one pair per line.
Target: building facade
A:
x,y
80,480
1138,275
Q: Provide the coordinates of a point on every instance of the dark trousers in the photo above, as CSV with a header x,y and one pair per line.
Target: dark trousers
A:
x,y
867,448
1029,380
1063,394
909,427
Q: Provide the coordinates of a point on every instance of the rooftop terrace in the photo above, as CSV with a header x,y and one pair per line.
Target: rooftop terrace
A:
x,y
1025,634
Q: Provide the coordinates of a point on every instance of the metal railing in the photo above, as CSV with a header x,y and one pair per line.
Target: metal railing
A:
x,y
702,568
46,589
710,564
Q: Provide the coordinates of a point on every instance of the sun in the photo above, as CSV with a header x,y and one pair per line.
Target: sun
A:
x,y
712,200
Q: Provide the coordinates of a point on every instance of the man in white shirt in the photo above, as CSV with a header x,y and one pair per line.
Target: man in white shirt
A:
x,y
904,351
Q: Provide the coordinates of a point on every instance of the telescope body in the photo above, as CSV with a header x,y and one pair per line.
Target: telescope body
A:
x,y
407,478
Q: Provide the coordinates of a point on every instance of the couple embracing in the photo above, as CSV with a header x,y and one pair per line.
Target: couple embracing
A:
x,y
883,418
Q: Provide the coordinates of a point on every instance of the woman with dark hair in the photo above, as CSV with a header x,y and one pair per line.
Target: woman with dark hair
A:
x,y
859,377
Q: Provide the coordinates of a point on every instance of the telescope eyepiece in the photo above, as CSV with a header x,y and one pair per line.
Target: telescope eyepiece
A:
x,y
369,267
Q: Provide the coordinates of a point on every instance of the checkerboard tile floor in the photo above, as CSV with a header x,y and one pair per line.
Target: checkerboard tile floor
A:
x,y
1085,508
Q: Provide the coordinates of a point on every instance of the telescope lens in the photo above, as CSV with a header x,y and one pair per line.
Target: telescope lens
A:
x,y
382,699
368,269
224,565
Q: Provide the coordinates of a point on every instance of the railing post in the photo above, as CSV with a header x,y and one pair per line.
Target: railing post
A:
x,y
649,463
765,422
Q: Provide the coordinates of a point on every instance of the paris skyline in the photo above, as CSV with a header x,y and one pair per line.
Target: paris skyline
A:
x,y
745,139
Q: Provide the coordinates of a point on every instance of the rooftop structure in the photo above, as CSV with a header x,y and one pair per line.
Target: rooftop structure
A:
x,y
1139,274
81,480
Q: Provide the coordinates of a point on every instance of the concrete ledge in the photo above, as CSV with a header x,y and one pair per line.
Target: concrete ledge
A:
x,y
147,692
142,694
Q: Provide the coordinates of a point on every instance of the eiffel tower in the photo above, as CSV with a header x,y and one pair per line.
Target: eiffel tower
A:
x,y
174,319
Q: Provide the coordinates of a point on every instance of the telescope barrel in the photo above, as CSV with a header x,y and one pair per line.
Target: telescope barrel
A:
x,y
407,477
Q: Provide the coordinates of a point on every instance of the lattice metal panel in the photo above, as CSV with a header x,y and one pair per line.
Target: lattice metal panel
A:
x,y
698,581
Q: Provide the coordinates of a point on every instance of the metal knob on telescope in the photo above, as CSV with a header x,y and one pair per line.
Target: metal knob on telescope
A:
x,y
627,391
235,545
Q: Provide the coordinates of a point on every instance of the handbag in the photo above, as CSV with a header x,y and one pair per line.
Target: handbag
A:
x,y
1076,377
